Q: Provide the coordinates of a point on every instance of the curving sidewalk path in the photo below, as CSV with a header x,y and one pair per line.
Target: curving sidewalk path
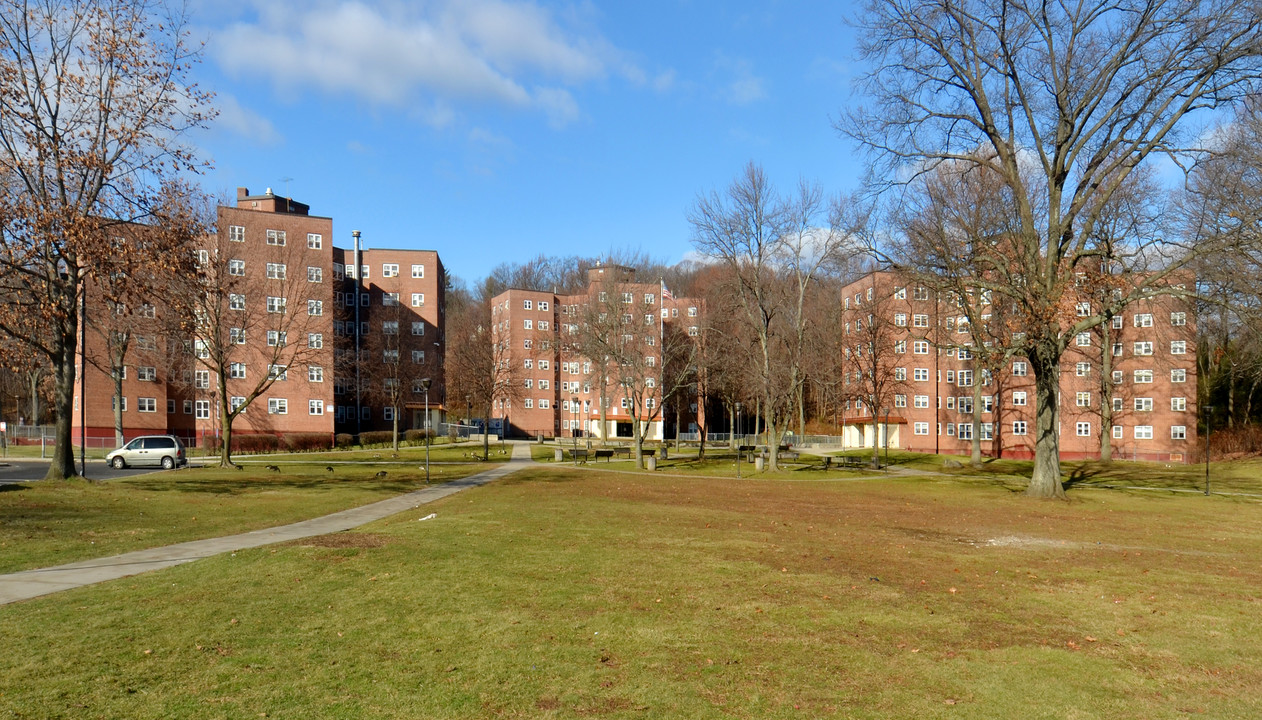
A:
x,y
43,581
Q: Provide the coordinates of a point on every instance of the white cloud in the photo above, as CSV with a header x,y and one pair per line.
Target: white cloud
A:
x,y
429,58
743,87
245,122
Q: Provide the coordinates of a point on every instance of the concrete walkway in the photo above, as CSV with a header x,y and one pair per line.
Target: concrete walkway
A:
x,y
33,583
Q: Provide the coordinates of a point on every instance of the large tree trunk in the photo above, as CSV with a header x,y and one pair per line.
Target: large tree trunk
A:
x,y
876,437
118,407
395,427
62,465
35,376
975,457
1106,394
637,438
1046,479
486,433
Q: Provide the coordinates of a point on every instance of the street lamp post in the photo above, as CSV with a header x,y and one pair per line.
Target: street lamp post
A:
x,y
468,411
1208,409
425,383
738,442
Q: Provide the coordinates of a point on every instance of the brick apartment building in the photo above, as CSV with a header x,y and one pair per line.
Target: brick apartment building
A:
x,y
1137,372
287,303
560,388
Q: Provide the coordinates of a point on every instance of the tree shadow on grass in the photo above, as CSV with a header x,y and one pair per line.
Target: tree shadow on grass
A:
x,y
13,487
221,483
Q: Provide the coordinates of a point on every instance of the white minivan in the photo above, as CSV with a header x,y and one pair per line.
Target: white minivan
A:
x,y
164,451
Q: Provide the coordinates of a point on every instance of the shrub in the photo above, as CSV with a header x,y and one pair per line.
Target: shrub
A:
x,y
304,442
416,437
343,440
255,443
376,437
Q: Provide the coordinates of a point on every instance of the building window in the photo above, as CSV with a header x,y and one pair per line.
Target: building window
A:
x,y
921,428
1083,339
235,402
277,372
201,379
314,241
315,307
1083,369
965,404
315,340
1178,319
315,274
900,319
1178,404
1117,322
964,431
1084,309
145,373
528,324
315,407
1178,432
236,301
920,347
692,311
276,338
921,293
1143,320
900,346
1019,368
236,371
276,304
1143,348
188,407
921,401
390,357
1117,377
1117,432
921,375
275,271
236,233
418,327
418,299
236,267
389,270
1178,376
418,357
900,401
315,374
1143,376
920,320
1143,432
1117,349
1018,399
418,271
389,327
275,237
900,293
147,405
1178,347
277,406
1143,404
528,403
1083,399
1018,427
202,410
1084,429
964,378
1117,404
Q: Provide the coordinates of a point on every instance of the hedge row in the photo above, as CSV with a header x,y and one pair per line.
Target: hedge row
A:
x,y
305,442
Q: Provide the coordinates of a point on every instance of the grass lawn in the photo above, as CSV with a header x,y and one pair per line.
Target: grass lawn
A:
x,y
562,594
43,523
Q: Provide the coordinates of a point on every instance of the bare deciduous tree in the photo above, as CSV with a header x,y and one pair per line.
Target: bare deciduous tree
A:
x,y
1063,102
775,248
94,96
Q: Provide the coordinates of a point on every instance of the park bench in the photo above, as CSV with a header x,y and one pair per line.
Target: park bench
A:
x,y
579,454
606,454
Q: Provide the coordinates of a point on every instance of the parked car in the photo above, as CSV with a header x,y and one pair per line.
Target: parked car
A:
x,y
156,450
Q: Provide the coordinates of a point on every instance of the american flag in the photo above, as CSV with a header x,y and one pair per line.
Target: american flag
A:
x,y
666,293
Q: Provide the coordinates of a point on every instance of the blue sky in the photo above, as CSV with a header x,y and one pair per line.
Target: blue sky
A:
x,y
495,130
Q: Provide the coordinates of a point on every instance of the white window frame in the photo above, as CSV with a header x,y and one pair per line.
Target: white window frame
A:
x,y
277,406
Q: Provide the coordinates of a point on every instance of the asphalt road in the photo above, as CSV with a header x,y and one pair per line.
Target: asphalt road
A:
x,y
15,471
